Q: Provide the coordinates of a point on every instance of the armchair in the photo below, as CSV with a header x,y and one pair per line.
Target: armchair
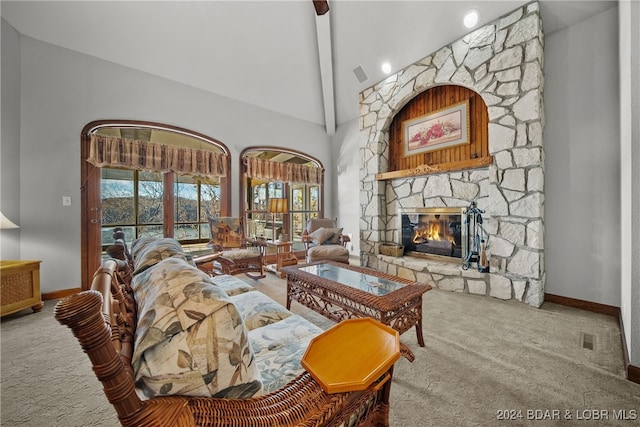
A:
x,y
233,252
323,240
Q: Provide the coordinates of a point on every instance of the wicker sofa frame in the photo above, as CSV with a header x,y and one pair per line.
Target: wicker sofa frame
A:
x,y
103,320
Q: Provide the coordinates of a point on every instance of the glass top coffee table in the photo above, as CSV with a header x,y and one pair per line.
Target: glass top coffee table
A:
x,y
341,291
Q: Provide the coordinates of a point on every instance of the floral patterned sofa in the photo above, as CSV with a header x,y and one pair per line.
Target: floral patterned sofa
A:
x,y
174,346
208,336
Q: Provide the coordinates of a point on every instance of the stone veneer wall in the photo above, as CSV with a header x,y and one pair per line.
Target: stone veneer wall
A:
x,y
503,62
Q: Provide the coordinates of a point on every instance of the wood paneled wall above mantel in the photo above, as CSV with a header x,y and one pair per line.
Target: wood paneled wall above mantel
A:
x,y
466,156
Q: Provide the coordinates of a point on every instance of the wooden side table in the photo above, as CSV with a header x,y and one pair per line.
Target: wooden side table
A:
x,y
205,262
353,355
20,286
284,257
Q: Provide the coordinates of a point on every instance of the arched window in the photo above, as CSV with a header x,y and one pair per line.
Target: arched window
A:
x,y
274,173
151,180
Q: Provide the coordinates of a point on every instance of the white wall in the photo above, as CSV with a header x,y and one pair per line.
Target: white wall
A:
x,y
630,175
346,154
62,91
582,133
10,140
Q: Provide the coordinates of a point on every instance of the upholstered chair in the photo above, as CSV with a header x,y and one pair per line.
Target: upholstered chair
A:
x,y
323,240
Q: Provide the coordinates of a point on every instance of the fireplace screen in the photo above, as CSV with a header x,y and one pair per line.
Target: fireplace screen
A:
x,y
433,231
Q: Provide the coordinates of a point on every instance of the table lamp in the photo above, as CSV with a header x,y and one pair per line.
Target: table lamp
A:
x,y
6,223
277,206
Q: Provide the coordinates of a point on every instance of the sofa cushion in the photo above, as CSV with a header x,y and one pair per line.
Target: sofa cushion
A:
x,y
190,337
329,252
259,310
232,285
237,254
148,251
279,347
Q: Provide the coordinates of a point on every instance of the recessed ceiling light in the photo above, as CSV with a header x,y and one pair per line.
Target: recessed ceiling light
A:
x,y
386,68
471,18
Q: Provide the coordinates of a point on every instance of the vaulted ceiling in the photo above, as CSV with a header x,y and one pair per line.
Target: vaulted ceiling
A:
x,y
273,54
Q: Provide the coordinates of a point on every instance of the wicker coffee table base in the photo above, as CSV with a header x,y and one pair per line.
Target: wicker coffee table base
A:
x,y
339,302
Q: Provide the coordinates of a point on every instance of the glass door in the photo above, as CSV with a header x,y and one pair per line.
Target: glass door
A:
x,y
304,206
259,223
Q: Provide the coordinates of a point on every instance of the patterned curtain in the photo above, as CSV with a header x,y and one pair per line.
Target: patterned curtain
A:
x,y
287,172
141,155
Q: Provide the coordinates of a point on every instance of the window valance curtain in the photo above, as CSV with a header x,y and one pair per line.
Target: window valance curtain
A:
x,y
142,155
287,172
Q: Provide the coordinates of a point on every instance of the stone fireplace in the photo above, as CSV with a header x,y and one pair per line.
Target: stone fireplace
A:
x,y
503,63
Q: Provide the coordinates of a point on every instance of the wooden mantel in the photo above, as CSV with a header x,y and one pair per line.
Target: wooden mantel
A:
x,y
438,168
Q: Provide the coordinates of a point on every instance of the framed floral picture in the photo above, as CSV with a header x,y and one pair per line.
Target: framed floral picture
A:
x,y
440,129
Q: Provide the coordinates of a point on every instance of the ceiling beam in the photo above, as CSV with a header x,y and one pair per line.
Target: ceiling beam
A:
x,y
322,6
325,56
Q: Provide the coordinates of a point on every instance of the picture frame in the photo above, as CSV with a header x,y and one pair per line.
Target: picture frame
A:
x,y
436,130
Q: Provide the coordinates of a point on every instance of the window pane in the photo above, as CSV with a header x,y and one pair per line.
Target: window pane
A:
x,y
260,197
150,231
150,198
205,231
256,224
298,224
117,197
186,231
297,196
186,197
107,235
275,190
196,199
313,198
209,201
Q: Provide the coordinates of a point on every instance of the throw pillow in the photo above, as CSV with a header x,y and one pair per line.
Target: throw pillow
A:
x,y
321,235
148,251
335,239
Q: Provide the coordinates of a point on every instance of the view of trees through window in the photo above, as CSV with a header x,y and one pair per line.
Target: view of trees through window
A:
x,y
133,201
196,200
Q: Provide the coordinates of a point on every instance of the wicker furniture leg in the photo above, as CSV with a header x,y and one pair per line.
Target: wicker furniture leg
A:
x,y
251,267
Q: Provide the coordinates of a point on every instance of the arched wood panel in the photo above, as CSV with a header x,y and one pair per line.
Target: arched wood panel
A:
x,y
434,99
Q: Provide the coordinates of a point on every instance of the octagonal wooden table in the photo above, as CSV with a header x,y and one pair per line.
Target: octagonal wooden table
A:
x,y
353,355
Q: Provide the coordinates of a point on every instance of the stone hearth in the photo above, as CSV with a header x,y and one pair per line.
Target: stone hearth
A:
x,y
443,275
503,62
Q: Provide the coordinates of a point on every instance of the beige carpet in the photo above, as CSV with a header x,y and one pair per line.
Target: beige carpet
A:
x,y
482,357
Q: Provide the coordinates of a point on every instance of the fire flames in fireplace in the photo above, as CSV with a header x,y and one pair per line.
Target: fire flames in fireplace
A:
x,y
432,232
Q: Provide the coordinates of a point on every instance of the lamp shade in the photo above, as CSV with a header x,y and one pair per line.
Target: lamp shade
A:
x,y
6,222
278,206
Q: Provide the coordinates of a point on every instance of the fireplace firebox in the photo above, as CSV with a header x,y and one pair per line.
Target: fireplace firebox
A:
x,y
433,232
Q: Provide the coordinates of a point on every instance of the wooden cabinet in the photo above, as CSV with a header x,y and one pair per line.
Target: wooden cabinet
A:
x,y
20,287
